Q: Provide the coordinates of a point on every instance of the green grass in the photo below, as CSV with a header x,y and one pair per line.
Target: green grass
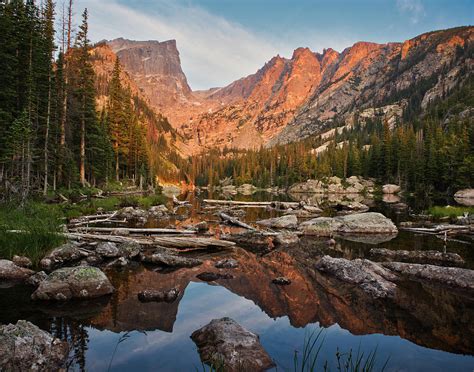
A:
x,y
449,211
37,227
38,223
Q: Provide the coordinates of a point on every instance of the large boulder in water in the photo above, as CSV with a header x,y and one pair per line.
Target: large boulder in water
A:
x,y
284,222
82,282
359,223
65,254
450,276
372,278
11,272
25,347
227,346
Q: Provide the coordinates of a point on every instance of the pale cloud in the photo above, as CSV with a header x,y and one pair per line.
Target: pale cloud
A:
x,y
214,51
414,8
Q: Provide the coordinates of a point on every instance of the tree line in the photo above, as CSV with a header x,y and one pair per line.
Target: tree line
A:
x,y
433,151
51,133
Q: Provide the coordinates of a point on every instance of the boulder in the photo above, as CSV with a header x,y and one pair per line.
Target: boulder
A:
x,y
65,254
391,189
210,276
347,207
246,189
129,249
422,257
37,278
320,226
449,276
158,296
22,261
82,282
11,272
285,239
227,263
227,346
171,260
107,250
25,347
158,211
284,222
310,187
465,197
136,215
366,223
372,278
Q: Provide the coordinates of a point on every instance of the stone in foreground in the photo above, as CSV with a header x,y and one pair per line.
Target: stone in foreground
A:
x,y
421,257
82,282
25,347
171,260
225,343
450,276
372,278
284,222
11,272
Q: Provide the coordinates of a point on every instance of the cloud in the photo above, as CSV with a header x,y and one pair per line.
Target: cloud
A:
x,y
214,51
415,9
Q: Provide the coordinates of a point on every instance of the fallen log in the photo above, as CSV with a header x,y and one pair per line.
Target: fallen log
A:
x,y
107,238
143,231
192,242
88,221
234,221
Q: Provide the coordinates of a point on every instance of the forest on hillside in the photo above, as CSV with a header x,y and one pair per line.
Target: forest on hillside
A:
x,y
424,152
51,133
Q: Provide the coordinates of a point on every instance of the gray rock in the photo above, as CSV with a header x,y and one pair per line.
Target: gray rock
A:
x,y
158,296
421,257
172,260
37,278
65,254
129,249
107,250
25,347
22,261
450,276
11,272
226,345
284,222
228,263
158,211
372,278
285,239
202,226
80,282
391,189
359,223
119,262
465,197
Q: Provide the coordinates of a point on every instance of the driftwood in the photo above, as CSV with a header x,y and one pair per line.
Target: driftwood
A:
x,y
179,202
90,220
440,229
165,241
235,221
144,231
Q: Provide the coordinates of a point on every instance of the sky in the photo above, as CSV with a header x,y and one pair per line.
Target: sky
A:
x,y
223,40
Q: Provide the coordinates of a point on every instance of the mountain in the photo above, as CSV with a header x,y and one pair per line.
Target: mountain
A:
x,y
289,99
162,141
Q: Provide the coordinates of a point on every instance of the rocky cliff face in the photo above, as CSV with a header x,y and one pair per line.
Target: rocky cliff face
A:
x,y
290,99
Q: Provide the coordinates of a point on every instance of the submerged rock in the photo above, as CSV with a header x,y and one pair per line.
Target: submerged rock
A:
x,y
422,257
11,272
80,282
158,296
372,278
228,263
210,276
25,347
360,223
450,276
226,345
284,222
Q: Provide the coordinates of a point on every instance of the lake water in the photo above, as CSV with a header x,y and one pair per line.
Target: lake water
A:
x,y
425,328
